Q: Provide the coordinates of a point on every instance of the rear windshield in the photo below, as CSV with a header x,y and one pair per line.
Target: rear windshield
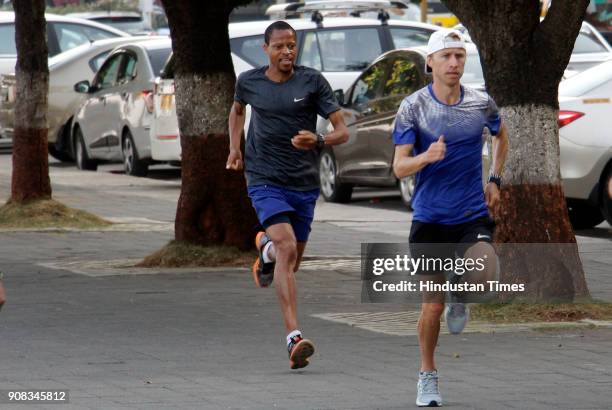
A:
x,y
128,24
158,59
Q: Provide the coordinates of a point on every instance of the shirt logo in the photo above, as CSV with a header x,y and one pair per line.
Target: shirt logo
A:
x,y
480,236
298,99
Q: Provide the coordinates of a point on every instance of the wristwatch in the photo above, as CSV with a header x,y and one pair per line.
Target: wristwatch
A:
x,y
496,179
320,140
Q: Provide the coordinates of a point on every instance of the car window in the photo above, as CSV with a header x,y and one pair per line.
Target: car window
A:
x,y
70,35
472,72
369,84
107,76
128,70
7,40
409,37
250,50
404,77
350,49
96,62
310,56
168,70
588,43
158,58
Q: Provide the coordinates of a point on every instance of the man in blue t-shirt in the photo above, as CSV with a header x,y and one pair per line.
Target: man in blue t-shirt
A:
x,y
281,167
438,136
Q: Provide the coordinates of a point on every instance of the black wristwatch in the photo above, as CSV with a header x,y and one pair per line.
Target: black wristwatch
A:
x,y
320,141
496,179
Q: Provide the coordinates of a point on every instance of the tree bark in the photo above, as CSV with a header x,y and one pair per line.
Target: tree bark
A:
x,y
30,180
523,61
213,208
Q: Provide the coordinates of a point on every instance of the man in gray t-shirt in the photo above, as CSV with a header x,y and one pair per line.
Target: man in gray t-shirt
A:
x,y
282,153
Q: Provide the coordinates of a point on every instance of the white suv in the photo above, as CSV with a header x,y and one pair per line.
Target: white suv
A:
x,y
339,47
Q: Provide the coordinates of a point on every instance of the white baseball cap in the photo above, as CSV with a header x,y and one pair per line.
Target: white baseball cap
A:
x,y
441,39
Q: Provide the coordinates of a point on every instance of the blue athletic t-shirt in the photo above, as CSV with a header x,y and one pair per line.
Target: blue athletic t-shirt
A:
x,y
449,191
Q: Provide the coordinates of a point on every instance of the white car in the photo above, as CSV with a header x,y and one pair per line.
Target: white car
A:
x,y
339,47
590,49
585,109
80,62
113,122
63,33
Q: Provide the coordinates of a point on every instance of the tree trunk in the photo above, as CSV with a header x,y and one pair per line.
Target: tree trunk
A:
x,y
30,156
213,207
523,61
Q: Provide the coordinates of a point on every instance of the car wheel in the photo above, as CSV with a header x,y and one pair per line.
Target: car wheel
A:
x,y
406,186
583,215
132,164
82,158
331,189
606,196
59,155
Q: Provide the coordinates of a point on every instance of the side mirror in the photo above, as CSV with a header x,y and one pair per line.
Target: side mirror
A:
x,y
82,87
339,94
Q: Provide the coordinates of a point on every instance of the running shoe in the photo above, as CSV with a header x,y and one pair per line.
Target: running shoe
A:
x,y
263,273
456,316
428,394
300,350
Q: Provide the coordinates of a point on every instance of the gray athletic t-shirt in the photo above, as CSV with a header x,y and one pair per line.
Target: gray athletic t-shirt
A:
x,y
278,112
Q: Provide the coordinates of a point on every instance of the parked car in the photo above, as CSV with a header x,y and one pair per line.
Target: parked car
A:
x,y
339,47
80,62
129,21
590,49
585,140
369,109
63,33
113,122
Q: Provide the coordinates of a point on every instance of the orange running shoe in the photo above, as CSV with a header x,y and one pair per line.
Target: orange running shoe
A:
x,y
263,273
300,350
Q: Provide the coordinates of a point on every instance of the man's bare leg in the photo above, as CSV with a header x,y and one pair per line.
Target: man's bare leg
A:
x,y
2,295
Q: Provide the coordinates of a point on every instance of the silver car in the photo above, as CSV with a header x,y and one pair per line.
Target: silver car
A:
x,y
113,122
80,62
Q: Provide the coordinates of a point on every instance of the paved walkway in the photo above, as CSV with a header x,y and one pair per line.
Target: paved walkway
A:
x,y
207,339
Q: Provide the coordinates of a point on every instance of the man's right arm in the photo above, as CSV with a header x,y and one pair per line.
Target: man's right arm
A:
x,y
236,127
405,164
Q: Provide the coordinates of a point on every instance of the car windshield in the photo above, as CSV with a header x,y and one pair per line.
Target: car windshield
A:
x,y
587,80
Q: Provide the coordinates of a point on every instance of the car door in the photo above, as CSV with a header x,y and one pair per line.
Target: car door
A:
x,y
117,104
92,117
404,77
361,116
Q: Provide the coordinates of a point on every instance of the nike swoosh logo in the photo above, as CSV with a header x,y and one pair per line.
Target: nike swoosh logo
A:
x,y
480,236
298,99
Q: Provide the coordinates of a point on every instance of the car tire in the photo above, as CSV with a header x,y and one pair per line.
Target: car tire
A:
x,y
59,155
606,196
406,186
331,189
583,215
82,158
132,164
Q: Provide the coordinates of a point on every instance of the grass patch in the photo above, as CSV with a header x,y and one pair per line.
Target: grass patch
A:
x,y
541,312
47,213
179,254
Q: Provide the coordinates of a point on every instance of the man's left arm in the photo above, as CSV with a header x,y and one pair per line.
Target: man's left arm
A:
x,y
499,152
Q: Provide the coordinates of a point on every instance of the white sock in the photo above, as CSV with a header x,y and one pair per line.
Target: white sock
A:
x,y
296,332
266,257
